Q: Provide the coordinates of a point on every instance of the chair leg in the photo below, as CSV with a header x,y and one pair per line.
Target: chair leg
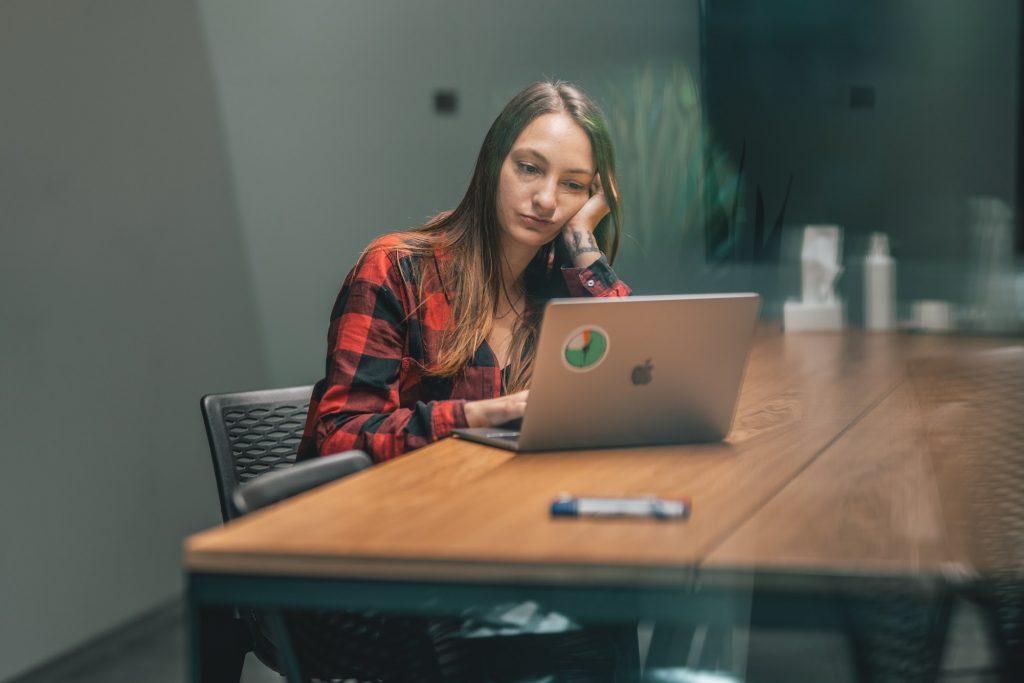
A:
x,y
289,660
223,643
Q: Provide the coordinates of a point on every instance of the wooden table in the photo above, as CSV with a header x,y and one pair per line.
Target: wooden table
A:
x,y
841,474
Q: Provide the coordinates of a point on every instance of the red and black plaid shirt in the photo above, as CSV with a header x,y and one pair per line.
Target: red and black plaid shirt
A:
x,y
383,332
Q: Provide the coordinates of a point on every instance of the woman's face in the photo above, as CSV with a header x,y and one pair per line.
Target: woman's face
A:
x,y
545,180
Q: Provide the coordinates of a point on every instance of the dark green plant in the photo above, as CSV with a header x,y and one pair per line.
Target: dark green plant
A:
x,y
672,178
725,238
767,247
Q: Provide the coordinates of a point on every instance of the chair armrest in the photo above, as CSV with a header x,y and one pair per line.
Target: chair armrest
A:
x,y
276,486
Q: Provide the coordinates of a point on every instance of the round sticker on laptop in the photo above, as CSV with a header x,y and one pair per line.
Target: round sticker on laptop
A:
x,y
585,348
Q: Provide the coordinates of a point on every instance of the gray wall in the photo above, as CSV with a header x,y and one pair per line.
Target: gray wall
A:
x,y
328,115
124,295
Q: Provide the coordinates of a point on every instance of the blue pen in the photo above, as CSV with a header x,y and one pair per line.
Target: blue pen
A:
x,y
644,506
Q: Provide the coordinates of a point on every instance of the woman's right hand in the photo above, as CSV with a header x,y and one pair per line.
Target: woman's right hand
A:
x,y
492,412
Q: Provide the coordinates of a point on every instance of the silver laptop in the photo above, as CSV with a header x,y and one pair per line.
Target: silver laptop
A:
x,y
633,371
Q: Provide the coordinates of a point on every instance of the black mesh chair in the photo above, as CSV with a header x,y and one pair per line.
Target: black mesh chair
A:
x,y
251,434
253,440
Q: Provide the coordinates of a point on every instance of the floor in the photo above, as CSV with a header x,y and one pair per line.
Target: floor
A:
x,y
154,652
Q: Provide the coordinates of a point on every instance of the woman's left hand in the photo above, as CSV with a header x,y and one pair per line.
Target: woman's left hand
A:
x,y
578,231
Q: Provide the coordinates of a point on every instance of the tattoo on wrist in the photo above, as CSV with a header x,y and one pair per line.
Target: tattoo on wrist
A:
x,y
582,243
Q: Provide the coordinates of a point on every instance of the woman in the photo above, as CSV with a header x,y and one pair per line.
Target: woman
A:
x,y
435,328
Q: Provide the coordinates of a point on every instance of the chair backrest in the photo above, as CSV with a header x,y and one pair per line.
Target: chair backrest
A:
x,y
251,433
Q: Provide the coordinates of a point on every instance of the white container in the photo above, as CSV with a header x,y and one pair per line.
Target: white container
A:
x,y
799,316
879,285
931,315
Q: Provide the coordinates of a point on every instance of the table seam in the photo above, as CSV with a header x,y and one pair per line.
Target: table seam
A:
x,y
718,542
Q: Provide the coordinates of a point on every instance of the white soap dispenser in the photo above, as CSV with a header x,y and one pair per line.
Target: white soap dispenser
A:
x,y
879,285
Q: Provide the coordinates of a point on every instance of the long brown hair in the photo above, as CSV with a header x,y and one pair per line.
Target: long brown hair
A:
x,y
470,233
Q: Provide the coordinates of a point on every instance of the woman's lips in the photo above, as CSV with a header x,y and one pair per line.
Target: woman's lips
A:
x,y
534,221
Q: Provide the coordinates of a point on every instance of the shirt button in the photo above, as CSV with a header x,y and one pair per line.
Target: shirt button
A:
x,y
590,283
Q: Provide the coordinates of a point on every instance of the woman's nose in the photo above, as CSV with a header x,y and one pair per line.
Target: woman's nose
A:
x,y
544,199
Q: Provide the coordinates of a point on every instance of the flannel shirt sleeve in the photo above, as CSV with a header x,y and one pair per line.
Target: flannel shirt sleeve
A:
x,y
359,406
597,280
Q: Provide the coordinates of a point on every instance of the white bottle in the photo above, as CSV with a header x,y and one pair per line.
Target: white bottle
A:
x,y
879,285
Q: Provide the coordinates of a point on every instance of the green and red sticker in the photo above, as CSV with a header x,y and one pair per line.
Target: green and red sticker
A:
x,y
585,348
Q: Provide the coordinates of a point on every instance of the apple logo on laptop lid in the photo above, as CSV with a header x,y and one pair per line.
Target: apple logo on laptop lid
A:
x,y
643,374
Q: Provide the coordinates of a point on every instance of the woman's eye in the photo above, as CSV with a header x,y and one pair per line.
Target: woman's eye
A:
x,y
575,187
528,168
